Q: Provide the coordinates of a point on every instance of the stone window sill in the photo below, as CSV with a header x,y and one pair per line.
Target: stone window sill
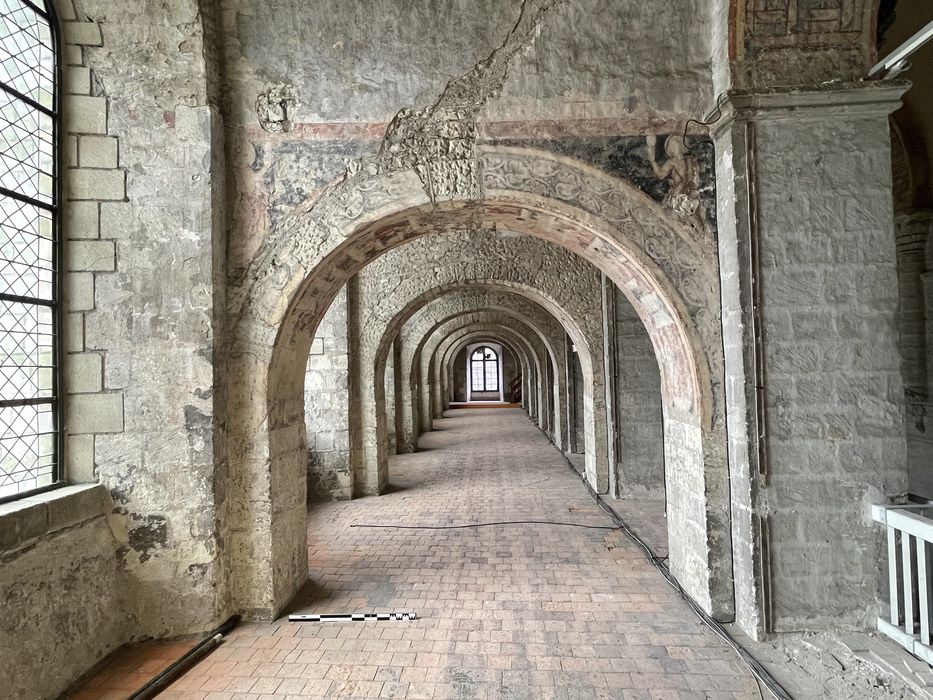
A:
x,y
27,519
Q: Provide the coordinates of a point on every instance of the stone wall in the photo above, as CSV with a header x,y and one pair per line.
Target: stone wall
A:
x,y
138,297
60,581
63,595
147,428
639,418
327,407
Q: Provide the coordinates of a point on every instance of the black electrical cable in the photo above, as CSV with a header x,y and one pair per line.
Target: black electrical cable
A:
x,y
165,678
720,101
500,522
759,672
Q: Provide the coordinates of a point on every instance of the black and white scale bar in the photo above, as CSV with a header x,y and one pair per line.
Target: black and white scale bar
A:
x,y
352,617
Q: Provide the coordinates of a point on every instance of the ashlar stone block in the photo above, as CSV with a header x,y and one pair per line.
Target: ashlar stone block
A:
x,y
77,80
82,33
94,413
83,373
86,114
79,291
82,220
106,185
74,332
79,458
97,152
91,256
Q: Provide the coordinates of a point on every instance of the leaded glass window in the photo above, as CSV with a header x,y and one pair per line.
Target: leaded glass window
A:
x,y
484,370
29,454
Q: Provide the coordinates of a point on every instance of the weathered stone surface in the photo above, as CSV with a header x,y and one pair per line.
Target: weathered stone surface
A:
x,y
60,589
829,409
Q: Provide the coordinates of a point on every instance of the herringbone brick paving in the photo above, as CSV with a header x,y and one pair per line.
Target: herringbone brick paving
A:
x,y
505,611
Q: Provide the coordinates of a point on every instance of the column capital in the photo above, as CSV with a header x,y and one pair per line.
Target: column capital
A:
x,y
848,100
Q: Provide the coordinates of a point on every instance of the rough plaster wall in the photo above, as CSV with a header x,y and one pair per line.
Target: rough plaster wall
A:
x,y
63,601
153,317
833,391
591,57
327,406
639,414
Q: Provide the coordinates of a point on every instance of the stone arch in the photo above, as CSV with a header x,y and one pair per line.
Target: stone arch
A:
x,y
422,323
480,331
524,349
563,283
507,336
431,366
421,388
550,338
373,417
464,334
667,272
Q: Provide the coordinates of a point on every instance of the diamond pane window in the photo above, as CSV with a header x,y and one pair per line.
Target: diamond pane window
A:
x,y
29,253
484,370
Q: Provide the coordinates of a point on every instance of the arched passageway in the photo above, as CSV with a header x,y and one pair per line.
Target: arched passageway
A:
x,y
659,266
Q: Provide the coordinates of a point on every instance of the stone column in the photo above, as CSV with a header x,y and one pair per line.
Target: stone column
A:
x,y
813,386
608,291
405,434
357,482
570,395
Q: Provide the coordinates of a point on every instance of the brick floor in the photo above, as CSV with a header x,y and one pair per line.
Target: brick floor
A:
x,y
507,611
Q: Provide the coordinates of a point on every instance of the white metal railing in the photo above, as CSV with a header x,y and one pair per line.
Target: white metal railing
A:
x,y
910,576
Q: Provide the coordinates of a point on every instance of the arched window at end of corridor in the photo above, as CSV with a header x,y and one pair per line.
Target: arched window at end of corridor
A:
x,y
484,370
30,454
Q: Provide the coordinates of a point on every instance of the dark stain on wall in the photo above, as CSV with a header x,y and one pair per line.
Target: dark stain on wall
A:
x,y
148,533
628,158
